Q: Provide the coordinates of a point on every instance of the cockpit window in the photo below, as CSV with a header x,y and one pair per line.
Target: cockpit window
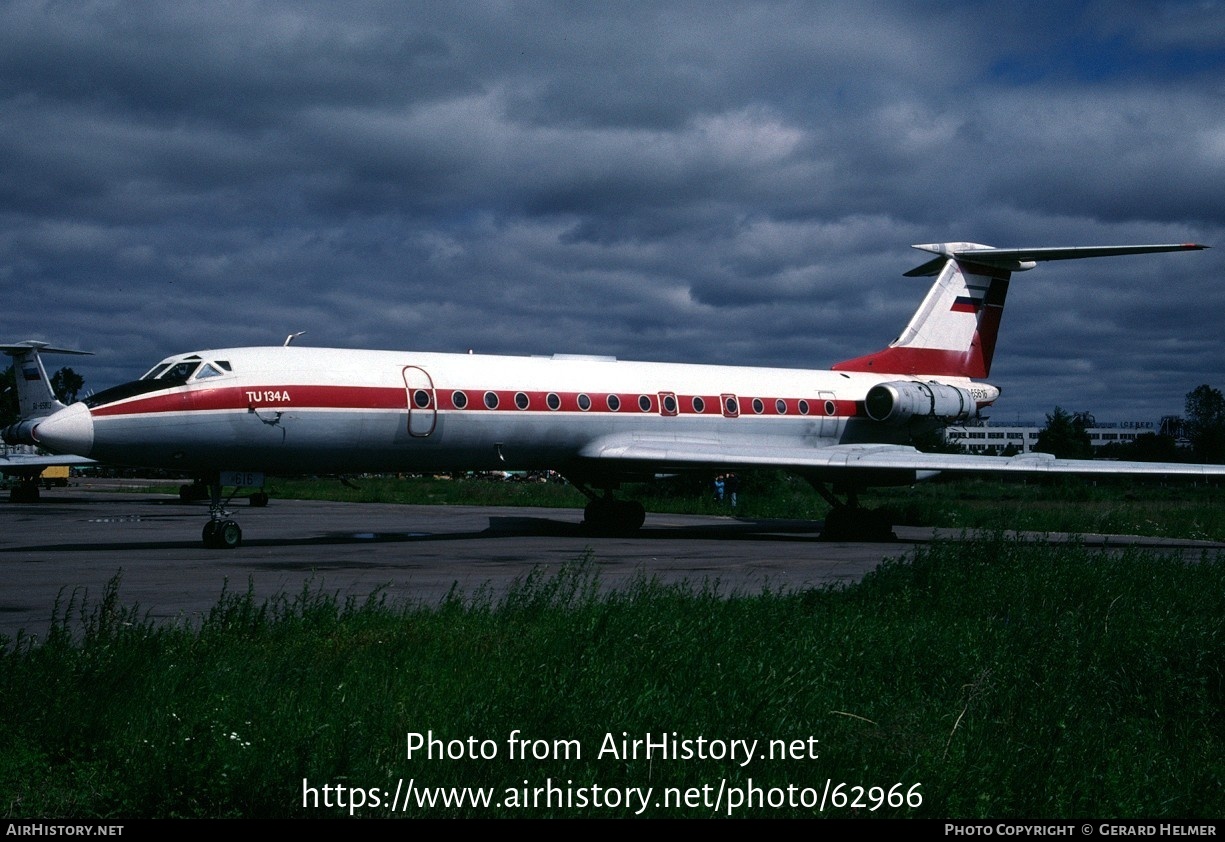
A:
x,y
179,372
176,371
164,375
155,371
207,370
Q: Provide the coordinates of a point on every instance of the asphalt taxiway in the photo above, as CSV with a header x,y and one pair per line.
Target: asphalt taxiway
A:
x,y
71,544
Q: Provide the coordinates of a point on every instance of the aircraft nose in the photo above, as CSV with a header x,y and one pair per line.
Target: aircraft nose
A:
x,y
71,430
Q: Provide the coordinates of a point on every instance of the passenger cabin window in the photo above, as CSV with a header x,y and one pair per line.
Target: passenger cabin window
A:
x,y
614,403
459,399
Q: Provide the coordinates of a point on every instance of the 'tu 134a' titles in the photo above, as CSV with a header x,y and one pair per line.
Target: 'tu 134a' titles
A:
x,y
231,415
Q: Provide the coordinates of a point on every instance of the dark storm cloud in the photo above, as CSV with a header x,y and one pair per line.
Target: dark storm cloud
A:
x,y
721,182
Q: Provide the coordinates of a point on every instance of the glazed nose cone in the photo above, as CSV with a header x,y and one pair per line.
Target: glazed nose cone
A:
x,y
71,430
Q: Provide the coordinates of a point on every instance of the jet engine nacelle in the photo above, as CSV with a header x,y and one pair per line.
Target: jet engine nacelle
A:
x,y
20,433
898,401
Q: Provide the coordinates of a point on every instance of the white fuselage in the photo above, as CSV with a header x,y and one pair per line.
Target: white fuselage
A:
x,y
319,410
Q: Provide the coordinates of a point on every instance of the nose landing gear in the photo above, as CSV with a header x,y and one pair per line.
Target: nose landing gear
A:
x,y
221,532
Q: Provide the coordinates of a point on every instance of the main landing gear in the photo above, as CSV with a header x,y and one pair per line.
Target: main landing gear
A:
x,y
25,491
848,521
606,515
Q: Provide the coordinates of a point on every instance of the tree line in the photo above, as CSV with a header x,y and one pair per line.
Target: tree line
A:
x,y
1066,434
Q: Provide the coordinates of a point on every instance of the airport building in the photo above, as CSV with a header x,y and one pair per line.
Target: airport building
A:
x,y
1021,437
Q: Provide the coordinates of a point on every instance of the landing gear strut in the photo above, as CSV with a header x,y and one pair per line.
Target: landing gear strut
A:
x,y
848,521
606,515
189,492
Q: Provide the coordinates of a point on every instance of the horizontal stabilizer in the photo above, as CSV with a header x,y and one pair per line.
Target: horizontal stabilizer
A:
x,y
1015,260
28,345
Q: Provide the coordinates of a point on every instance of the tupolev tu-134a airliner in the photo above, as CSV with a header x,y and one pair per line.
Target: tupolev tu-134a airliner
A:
x,y
233,414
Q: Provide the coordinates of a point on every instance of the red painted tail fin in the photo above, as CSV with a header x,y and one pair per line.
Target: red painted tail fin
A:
x,y
953,332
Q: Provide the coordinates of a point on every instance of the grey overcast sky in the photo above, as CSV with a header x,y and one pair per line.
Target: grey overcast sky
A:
x,y
702,182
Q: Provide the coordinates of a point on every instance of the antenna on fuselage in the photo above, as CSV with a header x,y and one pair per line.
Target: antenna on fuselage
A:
x,y
292,337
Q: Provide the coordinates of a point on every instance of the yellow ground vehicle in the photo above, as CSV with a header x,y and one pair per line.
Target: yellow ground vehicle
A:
x,y
55,476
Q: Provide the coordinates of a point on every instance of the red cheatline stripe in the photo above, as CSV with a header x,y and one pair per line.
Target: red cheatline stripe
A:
x,y
362,397
241,397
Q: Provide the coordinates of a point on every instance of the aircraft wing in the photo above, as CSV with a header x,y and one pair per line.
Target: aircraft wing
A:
x,y
846,460
21,464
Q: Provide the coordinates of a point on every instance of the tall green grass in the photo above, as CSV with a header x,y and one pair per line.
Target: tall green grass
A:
x,y
1007,679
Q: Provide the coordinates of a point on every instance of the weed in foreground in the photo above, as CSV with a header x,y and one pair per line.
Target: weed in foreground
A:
x,y
1010,679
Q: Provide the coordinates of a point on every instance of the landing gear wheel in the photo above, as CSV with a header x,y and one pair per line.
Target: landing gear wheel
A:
x,y
229,536
25,492
633,515
211,530
851,523
222,534
607,516
258,500
189,492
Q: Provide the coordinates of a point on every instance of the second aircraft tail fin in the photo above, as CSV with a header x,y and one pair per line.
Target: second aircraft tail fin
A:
x,y
35,397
